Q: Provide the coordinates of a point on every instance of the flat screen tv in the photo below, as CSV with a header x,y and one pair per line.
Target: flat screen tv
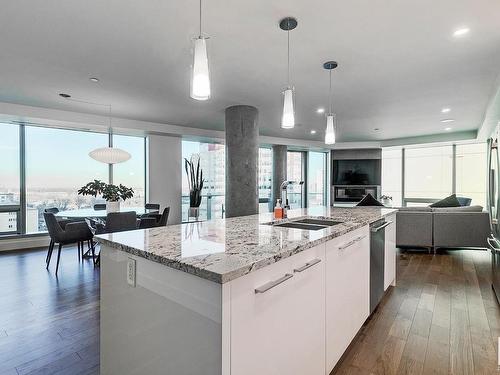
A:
x,y
356,172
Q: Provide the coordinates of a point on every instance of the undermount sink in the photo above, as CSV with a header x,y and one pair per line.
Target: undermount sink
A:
x,y
308,224
296,225
323,222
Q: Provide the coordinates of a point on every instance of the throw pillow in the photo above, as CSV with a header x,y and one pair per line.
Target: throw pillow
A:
x,y
450,201
368,200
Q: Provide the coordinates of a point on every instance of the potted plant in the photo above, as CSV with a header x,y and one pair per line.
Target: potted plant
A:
x,y
386,200
195,180
111,193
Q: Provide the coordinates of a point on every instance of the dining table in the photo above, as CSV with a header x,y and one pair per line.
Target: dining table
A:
x,y
90,213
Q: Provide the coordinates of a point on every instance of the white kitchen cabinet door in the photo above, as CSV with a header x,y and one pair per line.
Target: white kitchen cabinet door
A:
x,y
281,330
390,253
347,291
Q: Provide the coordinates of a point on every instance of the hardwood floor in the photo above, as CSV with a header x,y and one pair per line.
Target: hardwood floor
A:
x,y
442,318
48,325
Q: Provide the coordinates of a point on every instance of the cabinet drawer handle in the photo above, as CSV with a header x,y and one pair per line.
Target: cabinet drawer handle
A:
x,y
381,227
307,265
350,243
271,284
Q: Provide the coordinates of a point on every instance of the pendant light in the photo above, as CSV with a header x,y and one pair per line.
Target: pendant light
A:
x,y
109,155
200,76
288,118
331,118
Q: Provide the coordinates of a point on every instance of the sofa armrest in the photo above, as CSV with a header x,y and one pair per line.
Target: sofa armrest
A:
x,y
461,229
413,229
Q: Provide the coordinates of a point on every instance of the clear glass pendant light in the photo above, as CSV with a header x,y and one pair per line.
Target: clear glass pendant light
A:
x,y
200,78
288,117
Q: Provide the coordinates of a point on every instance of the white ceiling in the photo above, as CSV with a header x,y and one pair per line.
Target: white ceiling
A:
x,y
398,63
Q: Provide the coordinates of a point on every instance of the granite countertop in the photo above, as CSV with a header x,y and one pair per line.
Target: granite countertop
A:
x,y
222,250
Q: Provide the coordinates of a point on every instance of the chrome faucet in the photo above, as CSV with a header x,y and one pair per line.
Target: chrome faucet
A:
x,y
284,192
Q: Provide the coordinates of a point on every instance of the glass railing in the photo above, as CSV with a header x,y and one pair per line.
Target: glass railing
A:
x,y
211,207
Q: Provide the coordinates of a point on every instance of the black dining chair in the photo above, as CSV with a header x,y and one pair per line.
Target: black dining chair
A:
x,y
154,219
152,206
74,232
99,206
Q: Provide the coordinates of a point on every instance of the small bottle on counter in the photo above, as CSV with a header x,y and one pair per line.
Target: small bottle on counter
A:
x,y
278,210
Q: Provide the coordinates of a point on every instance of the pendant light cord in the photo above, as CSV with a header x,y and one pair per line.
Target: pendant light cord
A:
x,y
288,54
330,95
200,18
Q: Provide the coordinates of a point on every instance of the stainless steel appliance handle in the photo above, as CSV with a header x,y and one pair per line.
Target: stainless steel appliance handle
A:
x,y
307,265
271,284
387,223
494,245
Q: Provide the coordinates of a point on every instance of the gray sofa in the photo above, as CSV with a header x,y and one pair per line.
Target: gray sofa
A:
x,y
432,228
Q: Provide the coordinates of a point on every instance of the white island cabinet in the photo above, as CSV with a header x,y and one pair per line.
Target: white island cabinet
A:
x,y
277,317
347,291
241,298
390,252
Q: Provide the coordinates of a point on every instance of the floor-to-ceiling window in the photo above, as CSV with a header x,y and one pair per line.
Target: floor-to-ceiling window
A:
x,y
212,162
295,172
316,179
57,165
47,166
432,173
132,173
265,179
10,181
471,172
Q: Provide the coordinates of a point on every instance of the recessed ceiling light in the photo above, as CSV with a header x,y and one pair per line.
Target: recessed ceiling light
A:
x,y
313,131
94,79
447,129
447,120
320,110
376,129
65,96
445,110
461,32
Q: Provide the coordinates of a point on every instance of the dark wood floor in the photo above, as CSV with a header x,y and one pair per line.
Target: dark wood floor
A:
x,y
442,318
48,325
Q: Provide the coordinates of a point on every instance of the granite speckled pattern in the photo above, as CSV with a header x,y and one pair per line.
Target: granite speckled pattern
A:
x,y
222,250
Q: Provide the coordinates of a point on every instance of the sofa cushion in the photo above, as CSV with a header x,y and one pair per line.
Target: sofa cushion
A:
x,y
458,209
368,200
416,209
450,201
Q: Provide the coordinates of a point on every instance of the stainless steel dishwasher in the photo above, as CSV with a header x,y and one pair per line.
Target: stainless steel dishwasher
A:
x,y
377,259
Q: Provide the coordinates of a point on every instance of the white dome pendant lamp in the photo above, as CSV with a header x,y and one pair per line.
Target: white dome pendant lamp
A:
x,y
109,155
288,117
331,118
200,75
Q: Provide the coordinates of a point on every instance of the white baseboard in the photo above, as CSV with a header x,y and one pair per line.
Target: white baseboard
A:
x,y
23,243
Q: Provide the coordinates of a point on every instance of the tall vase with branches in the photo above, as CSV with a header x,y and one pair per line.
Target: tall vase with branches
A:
x,y
194,175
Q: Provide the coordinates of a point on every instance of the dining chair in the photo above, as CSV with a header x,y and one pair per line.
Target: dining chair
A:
x,y
73,232
99,206
159,220
152,206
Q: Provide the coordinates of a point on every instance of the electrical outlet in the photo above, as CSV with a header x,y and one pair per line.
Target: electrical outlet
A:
x,y
131,274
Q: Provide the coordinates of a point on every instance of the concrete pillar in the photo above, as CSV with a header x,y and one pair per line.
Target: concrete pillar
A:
x,y
242,156
279,170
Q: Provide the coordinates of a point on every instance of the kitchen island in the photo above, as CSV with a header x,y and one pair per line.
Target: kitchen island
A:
x,y
238,296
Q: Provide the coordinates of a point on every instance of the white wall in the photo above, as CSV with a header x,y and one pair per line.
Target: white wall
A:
x,y
165,175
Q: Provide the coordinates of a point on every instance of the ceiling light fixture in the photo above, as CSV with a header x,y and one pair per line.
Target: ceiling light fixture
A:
x,y
200,78
445,110
447,129
94,79
331,118
313,131
288,118
447,120
65,96
109,155
461,32
320,110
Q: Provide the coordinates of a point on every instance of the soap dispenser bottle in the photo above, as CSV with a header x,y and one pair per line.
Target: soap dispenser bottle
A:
x,y
278,210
